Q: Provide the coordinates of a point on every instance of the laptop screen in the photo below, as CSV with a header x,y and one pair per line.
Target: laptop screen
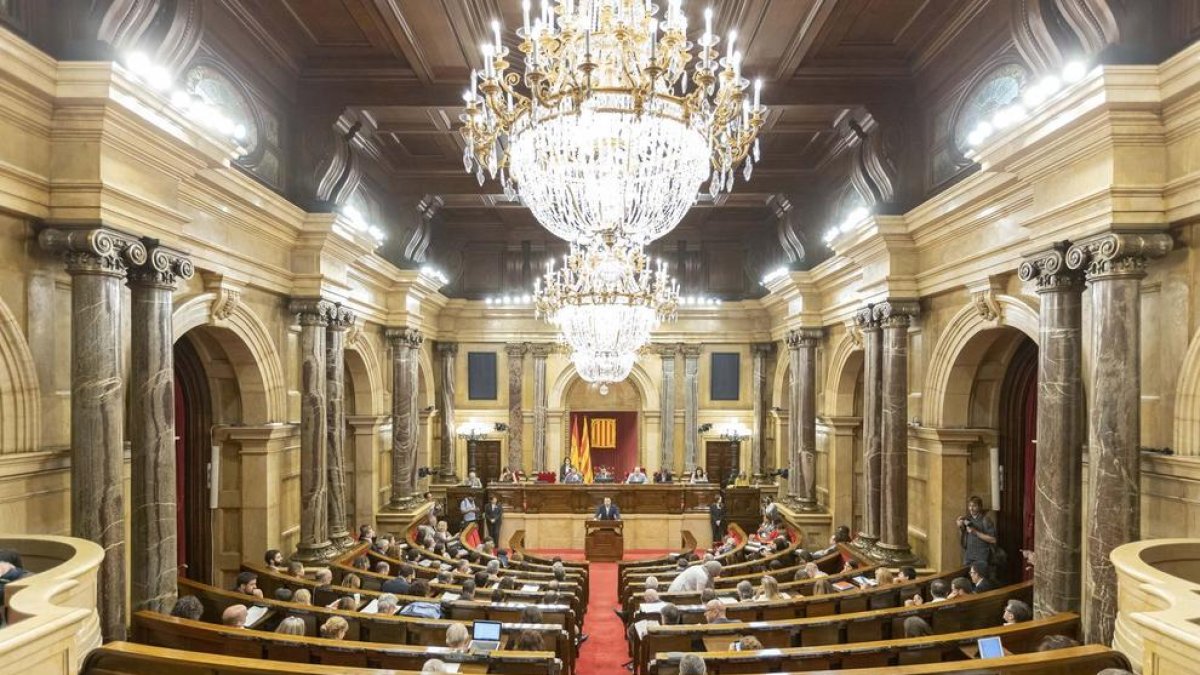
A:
x,y
486,630
990,648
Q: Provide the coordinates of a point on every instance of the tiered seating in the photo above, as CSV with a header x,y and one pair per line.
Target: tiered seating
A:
x,y
861,627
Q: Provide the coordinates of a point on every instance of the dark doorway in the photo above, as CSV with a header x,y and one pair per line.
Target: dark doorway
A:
x,y
193,451
1017,433
721,461
483,457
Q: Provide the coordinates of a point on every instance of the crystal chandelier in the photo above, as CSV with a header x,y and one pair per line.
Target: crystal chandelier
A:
x,y
605,300
605,132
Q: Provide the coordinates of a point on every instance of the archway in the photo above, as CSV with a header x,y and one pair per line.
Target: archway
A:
x,y
610,419
636,394
840,434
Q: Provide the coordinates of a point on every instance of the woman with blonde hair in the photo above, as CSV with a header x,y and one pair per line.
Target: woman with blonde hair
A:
x,y
335,628
457,637
352,580
822,587
770,590
884,577
302,596
293,625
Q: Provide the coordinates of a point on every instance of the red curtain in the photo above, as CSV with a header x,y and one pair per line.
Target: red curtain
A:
x,y
624,456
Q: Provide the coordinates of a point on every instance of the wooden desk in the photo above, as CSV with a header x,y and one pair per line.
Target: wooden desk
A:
x,y
604,541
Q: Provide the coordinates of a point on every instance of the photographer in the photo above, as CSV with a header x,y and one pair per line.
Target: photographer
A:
x,y
978,533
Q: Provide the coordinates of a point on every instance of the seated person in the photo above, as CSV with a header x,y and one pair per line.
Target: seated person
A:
x,y
188,607
247,584
302,596
748,643
692,664
822,587
663,475
714,612
1052,642
814,572
1016,611
387,604
529,641
334,628
938,590
636,477
698,476
770,590
400,584
840,536
766,531
323,577
742,480
295,569
506,476
472,481
234,616
572,476
457,637
906,574
883,577
745,590
915,626
283,594
292,625
959,587
274,559
979,577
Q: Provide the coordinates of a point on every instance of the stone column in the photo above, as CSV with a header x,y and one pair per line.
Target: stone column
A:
x,y
691,405
894,317
666,447
1114,263
1058,507
794,471
806,408
405,345
97,259
516,413
153,532
448,351
758,403
540,404
314,315
341,319
872,415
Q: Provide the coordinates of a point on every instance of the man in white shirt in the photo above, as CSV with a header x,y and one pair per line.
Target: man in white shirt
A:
x,y
696,578
473,481
637,477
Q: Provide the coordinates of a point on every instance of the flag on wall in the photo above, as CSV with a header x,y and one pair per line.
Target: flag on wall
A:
x,y
604,433
585,454
573,455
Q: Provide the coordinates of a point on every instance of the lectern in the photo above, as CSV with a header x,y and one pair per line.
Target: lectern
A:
x,y
604,540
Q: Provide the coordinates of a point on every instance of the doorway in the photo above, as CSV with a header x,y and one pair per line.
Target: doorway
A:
x,y
1017,433
483,457
193,443
721,461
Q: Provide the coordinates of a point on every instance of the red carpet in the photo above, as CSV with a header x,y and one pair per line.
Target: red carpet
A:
x,y
606,649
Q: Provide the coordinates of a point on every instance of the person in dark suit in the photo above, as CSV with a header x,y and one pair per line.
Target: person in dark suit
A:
x,y
493,514
716,516
402,583
979,577
608,510
664,475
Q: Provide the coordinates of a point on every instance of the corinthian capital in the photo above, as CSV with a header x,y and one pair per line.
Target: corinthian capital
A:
x,y
404,337
163,267
1118,254
341,318
865,318
1048,269
312,311
805,338
892,313
94,249
447,349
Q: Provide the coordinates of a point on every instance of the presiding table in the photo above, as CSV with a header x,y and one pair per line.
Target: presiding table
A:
x,y
679,502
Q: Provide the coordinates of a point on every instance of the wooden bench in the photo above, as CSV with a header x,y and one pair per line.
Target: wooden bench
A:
x,y
160,630
1017,638
1087,660
365,627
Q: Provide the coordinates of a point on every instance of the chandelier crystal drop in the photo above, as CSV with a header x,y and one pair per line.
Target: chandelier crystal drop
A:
x,y
605,300
614,123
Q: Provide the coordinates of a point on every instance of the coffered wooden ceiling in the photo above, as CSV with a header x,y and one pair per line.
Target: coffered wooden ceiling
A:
x,y
404,64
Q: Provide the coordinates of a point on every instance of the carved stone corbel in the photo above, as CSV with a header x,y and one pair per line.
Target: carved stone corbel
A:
x,y
985,298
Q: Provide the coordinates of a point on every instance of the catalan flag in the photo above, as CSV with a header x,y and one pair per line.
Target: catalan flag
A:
x,y
604,433
573,455
585,454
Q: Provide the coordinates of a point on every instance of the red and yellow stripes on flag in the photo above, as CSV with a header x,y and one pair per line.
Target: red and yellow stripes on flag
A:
x,y
585,454
574,453
604,433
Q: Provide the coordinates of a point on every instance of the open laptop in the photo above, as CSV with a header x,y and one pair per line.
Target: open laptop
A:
x,y
990,648
485,637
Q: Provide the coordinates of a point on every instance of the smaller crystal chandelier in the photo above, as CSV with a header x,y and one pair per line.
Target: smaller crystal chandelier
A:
x,y
605,300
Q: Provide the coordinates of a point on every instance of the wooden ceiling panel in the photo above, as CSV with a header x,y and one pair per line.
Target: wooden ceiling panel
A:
x,y
328,23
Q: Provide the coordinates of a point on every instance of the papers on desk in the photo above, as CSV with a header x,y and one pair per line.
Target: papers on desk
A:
x,y
864,582
529,588
727,599
450,597
254,615
426,562
372,607
651,607
449,667
843,586
641,627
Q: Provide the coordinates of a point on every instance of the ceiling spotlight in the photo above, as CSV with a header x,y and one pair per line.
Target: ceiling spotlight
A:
x,y
158,78
1074,71
138,63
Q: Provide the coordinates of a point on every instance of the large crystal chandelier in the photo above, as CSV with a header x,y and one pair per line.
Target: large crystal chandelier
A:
x,y
605,132
605,300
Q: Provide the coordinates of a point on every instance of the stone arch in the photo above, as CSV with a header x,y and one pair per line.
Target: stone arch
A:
x,y
842,382
783,367
965,344
250,350
365,375
1187,402
640,378
20,402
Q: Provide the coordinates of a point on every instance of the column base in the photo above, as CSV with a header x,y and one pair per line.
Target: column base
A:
x,y
893,554
404,504
342,540
315,553
809,505
865,542
763,479
447,479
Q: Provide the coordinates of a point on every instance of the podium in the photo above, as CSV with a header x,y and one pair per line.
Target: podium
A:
x,y
604,540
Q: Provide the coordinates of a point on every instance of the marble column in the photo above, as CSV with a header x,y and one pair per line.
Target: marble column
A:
x,y
97,259
405,345
540,405
758,403
806,409
153,531
1058,507
795,473
340,321
666,447
314,315
872,415
691,406
1115,264
516,411
448,351
894,317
